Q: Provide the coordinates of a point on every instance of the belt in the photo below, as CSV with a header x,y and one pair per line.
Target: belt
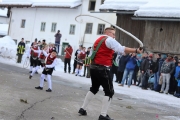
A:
x,y
99,67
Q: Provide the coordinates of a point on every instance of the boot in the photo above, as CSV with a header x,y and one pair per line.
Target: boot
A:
x,y
82,112
104,118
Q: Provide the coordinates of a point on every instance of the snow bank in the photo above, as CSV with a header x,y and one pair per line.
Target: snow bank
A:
x,y
3,12
7,48
4,29
160,8
123,4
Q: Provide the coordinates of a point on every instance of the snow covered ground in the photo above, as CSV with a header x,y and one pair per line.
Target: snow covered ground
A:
x,y
8,56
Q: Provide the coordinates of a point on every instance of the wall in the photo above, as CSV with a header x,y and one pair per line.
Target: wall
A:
x,y
4,20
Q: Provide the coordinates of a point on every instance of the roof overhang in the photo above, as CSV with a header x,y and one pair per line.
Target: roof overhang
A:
x,y
114,11
156,19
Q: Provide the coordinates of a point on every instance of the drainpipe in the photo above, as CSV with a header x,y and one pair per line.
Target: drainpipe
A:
x,y
9,27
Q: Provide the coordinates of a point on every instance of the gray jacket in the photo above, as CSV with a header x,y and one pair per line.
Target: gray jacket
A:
x,y
168,67
57,37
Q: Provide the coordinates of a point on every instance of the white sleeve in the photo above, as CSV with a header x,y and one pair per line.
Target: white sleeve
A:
x,y
53,64
45,53
114,45
28,52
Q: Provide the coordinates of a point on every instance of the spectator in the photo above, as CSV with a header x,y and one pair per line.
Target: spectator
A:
x,y
156,70
173,81
144,57
130,66
20,50
147,67
67,60
114,67
87,62
43,43
75,60
57,36
167,69
136,70
177,78
121,68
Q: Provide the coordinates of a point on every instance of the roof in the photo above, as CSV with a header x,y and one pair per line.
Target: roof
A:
x,y
160,8
42,3
3,12
128,5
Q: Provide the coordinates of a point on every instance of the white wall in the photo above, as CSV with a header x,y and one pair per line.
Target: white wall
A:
x,y
63,17
4,20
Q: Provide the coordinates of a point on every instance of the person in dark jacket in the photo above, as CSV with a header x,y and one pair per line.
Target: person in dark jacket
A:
x,y
75,59
58,36
136,70
20,50
67,59
147,69
177,78
173,81
156,71
130,66
121,67
114,67
85,66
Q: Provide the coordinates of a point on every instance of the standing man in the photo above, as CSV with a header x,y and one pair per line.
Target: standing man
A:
x,y
86,61
100,70
20,50
57,36
67,59
75,59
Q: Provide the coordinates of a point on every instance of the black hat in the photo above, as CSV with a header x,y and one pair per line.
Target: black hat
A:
x,y
54,51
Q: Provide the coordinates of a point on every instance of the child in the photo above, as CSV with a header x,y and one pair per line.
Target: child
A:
x,y
177,77
50,63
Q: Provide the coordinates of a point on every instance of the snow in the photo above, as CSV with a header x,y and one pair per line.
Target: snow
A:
x,y
3,12
8,54
44,3
4,29
123,4
160,8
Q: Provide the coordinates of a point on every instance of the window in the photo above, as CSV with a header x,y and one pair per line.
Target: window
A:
x,y
102,1
72,29
92,4
53,27
15,41
27,42
43,26
23,22
88,28
101,28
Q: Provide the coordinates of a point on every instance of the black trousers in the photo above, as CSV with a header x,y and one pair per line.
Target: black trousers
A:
x,y
33,62
112,72
135,75
47,71
173,85
119,76
75,65
19,58
101,77
67,61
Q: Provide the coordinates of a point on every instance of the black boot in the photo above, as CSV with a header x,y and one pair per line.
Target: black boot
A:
x,y
40,88
49,90
104,118
82,112
30,77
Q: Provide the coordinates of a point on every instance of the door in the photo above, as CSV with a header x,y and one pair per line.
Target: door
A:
x,y
64,45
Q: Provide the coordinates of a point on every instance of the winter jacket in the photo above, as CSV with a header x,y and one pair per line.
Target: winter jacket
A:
x,y
57,38
68,51
21,48
168,67
177,73
122,63
146,65
160,64
76,53
131,63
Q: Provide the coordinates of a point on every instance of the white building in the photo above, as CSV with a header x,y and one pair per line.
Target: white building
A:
x,y
41,20
4,21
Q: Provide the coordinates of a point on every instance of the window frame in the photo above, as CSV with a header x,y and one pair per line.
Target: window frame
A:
x,y
99,27
91,28
70,29
54,23
22,23
90,5
43,30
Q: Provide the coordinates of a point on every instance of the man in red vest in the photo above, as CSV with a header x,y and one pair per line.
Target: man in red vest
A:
x,y
100,71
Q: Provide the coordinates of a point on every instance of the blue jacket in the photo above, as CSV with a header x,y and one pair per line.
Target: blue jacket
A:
x,y
131,63
177,72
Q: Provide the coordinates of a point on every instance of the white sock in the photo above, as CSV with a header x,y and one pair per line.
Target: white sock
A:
x,y
37,68
31,67
88,98
105,105
76,71
49,81
80,72
42,80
